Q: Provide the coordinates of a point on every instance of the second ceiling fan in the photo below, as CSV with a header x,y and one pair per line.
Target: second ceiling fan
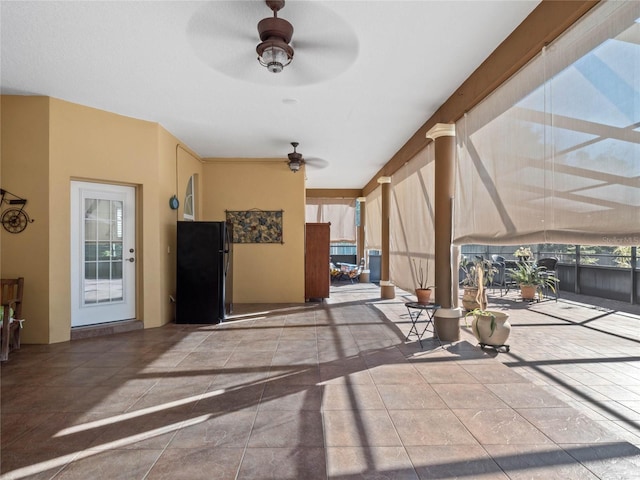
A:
x,y
296,160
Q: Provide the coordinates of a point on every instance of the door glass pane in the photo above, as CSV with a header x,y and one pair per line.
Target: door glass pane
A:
x,y
116,251
91,229
116,270
103,234
90,274
90,252
104,225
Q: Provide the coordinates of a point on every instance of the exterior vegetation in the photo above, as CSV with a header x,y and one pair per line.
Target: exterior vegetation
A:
x,y
471,270
530,274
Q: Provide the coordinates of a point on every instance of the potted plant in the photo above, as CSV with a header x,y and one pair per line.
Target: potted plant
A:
x,y
532,279
423,290
523,254
491,328
473,297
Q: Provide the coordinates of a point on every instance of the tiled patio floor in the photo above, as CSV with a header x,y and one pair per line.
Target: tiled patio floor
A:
x,y
332,390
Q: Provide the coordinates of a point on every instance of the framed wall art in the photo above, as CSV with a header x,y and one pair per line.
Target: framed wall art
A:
x,y
256,226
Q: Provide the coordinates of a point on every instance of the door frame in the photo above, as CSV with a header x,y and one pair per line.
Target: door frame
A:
x,y
77,255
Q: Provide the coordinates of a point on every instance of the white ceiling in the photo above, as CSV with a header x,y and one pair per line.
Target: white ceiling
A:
x,y
365,75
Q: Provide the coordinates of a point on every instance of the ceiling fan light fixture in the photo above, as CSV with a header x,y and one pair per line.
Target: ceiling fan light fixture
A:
x,y
294,165
274,54
274,51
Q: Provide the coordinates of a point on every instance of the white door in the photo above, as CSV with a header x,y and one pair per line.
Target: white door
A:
x,y
103,282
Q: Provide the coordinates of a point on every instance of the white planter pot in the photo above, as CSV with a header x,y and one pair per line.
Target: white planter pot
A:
x,y
487,334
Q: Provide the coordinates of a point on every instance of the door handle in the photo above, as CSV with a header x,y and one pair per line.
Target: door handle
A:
x,y
131,259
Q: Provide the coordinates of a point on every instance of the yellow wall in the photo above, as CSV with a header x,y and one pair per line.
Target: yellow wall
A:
x,y
25,166
47,143
91,145
94,145
262,273
183,164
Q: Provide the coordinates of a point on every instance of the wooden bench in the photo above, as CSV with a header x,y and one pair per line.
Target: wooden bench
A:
x,y
11,298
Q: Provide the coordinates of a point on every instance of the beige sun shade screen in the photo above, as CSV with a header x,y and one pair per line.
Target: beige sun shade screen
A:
x,y
553,155
373,222
411,222
340,212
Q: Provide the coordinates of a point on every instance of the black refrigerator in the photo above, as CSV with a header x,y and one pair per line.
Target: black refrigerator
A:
x,y
204,272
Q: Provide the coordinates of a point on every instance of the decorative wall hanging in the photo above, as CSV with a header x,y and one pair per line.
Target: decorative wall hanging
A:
x,y
14,220
256,226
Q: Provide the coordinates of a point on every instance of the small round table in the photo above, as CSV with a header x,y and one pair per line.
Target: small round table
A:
x,y
416,310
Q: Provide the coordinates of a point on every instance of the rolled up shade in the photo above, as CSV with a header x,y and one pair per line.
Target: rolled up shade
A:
x,y
340,212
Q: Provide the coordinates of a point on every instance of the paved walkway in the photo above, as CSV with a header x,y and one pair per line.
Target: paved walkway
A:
x,y
331,391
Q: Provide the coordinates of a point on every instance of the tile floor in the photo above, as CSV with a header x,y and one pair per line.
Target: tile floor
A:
x,y
332,391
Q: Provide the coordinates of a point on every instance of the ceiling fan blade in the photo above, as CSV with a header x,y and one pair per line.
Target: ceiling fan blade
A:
x,y
218,22
307,70
316,163
306,43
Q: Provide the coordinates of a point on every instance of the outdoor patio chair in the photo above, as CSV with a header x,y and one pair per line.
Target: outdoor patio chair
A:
x,y
354,274
335,272
550,265
499,279
509,282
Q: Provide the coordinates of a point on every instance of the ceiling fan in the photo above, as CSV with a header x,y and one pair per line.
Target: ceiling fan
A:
x,y
223,35
274,51
296,160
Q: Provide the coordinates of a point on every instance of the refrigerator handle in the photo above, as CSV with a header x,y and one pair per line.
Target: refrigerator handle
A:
x,y
227,248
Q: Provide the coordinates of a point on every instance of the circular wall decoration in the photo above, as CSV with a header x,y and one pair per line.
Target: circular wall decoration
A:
x,y
15,220
174,203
